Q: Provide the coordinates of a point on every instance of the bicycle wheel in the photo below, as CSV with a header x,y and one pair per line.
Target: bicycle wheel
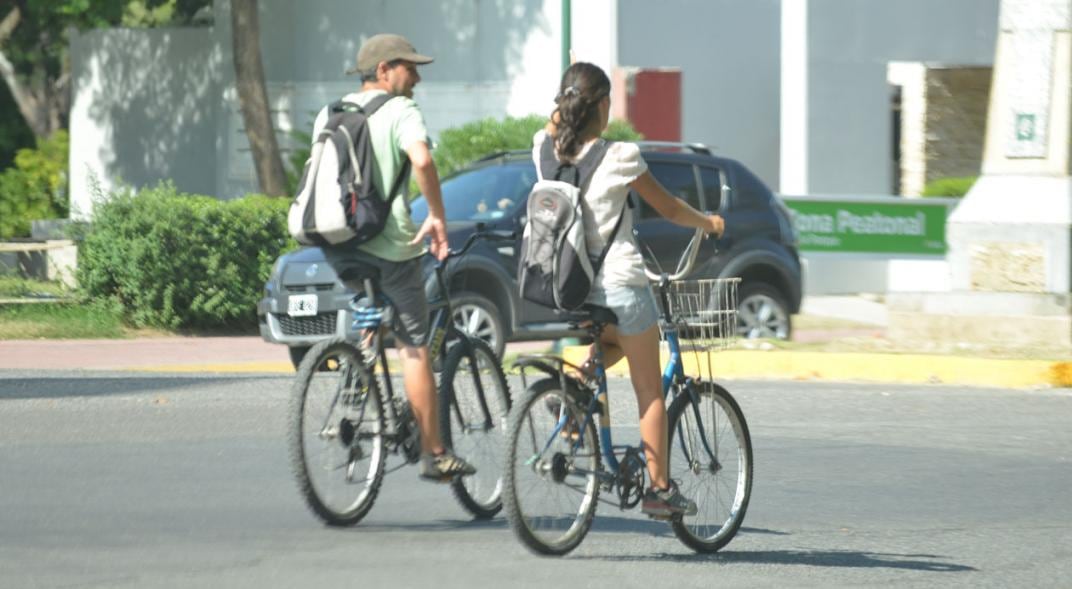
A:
x,y
711,458
551,488
474,404
337,449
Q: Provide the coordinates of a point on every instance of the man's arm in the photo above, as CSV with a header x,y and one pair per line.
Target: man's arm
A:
x,y
434,226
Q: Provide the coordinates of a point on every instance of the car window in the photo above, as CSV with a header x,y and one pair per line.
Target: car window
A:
x,y
482,194
711,179
678,179
751,192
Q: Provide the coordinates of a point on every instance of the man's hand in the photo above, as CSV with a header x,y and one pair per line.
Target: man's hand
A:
x,y
436,230
717,225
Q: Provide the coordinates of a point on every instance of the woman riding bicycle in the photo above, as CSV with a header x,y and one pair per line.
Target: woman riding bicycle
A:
x,y
576,124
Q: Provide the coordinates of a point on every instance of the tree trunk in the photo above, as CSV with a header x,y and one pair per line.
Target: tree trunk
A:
x,y
253,98
31,106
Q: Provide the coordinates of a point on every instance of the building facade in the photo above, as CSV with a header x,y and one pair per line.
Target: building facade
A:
x,y
796,89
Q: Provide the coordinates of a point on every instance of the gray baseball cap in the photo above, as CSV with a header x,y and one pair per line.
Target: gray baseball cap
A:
x,y
385,48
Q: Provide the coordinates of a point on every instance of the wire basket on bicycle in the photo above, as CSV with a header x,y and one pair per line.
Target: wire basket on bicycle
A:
x,y
705,314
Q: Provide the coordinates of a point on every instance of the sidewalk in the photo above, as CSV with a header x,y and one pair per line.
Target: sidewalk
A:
x,y
835,338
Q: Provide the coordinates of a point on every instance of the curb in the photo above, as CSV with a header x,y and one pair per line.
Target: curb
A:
x,y
264,367
889,368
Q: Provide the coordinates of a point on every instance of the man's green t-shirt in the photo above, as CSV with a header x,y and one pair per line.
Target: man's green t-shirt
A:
x,y
393,129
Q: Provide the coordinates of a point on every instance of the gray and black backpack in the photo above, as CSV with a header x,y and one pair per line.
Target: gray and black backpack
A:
x,y
555,268
337,201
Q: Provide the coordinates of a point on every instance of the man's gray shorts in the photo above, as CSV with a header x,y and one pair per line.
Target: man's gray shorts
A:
x,y
402,282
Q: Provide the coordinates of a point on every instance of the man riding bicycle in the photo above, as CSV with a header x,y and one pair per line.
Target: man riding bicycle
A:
x,y
388,64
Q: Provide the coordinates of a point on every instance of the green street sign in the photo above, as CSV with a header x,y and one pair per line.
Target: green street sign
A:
x,y
828,225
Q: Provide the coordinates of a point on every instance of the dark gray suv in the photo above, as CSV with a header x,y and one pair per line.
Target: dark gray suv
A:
x,y
759,247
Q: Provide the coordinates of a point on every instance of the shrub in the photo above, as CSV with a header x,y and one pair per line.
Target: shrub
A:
x,y
459,146
954,187
176,261
35,187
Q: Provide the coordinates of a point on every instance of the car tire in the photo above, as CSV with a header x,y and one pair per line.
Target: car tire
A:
x,y
762,312
297,354
477,316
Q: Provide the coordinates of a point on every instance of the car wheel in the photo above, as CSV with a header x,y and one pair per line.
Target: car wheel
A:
x,y
762,312
297,353
479,317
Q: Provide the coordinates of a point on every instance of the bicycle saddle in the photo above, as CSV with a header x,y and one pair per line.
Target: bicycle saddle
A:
x,y
589,312
357,272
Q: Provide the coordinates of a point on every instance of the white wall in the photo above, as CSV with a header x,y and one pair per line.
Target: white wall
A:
x,y
728,52
491,59
144,109
851,43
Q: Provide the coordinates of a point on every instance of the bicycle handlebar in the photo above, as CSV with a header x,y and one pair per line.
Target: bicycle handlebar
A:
x,y
496,235
685,264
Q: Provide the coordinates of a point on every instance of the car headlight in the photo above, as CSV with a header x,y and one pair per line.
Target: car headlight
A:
x,y
275,277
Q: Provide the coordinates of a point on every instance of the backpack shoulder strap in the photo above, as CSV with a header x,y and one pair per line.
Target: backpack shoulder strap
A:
x,y
578,173
591,160
350,106
549,164
374,105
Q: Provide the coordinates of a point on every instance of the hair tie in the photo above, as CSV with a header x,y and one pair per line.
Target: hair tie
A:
x,y
567,93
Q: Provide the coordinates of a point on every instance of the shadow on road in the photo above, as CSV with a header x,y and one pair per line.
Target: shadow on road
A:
x,y
815,558
612,524
96,386
497,523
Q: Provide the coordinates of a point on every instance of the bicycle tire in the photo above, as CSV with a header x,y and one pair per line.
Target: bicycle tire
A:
x,y
531,463
462,422
331,443
718,517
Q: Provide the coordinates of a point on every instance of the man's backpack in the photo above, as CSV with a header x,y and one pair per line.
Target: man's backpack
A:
x,y
337,200
556,269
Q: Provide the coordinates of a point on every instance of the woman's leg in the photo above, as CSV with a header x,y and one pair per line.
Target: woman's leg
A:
x,y
642,351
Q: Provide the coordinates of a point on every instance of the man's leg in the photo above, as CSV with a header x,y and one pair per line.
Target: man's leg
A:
x,y
421,391
436,463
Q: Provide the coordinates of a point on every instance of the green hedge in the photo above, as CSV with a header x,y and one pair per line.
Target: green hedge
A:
x,y
954,187
35,187
459,146
180,261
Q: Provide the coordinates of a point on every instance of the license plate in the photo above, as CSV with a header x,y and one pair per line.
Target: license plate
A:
x,y
301,305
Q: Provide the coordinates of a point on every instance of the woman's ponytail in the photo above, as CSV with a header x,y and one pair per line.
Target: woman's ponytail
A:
x,y
583,86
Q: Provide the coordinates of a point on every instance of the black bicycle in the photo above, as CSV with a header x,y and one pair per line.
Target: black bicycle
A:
x,y
345,417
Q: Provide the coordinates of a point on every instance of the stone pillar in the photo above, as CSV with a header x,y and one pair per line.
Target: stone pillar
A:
x,y
1009,240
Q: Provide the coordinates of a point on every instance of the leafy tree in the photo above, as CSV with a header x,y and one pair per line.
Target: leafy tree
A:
x,y
35,187
33,47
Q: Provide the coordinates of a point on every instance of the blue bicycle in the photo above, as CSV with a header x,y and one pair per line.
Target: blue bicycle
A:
x,y
560,455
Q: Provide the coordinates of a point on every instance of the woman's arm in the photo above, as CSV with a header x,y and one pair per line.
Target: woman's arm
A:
x,y
673,208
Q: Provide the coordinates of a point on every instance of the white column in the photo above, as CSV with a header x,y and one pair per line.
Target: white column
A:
x,y
794,112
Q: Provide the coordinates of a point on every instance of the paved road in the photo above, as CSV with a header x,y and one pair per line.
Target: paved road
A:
x,y
156,480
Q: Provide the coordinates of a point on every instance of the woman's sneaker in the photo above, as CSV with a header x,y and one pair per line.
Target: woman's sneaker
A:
x,y
664,503
444,467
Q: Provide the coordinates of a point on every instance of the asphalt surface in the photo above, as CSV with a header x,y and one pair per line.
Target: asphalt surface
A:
x,y
133,479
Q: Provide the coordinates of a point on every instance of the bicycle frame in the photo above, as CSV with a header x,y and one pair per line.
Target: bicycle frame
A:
x,y
443,330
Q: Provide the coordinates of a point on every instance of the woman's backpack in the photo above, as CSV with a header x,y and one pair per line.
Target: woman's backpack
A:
x,y
555,268
337,200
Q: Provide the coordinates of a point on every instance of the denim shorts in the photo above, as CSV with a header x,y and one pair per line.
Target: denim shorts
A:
x,y
634,305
